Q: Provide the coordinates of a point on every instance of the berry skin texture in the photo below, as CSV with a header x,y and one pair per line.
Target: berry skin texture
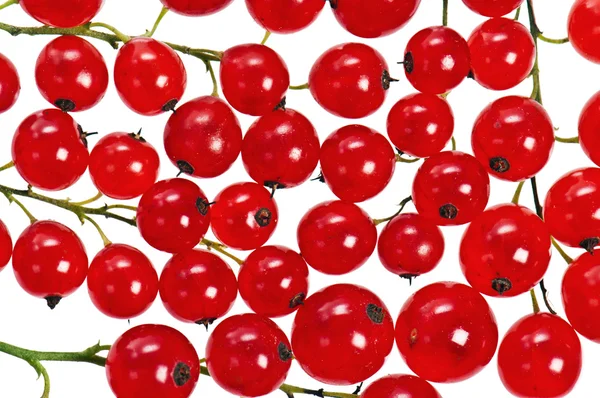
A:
x,y
540,356
400,386
505,251
281,149
10,85
173,215
583,28
123,166
122,283
273,281
149,76
249,367
420,125
71,74
373,18
244,216
357,163
254,78
196,8
62,13
493,8
203,138
436,60
197,286
359,337
48,152
451,188
49,261
152,361
513,138
350,80
287,16
324,234
446,332
6,246
502,53
589,123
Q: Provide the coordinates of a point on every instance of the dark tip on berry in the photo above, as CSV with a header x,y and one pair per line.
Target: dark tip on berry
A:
x,y
589,244
184,167
297,300
65,105
375,313
499,164
52,301
470,75
333,4
137,136
206,322
281,104
203,205
386,80
263,217
501,285
414,335
409,63
170,106
448,211
181,374
274,185
284,352
410,277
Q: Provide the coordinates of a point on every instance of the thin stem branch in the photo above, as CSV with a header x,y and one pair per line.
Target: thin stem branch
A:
x,y
211,245
162,14
534,302
213,78
105,240
453,143
88,201
8,4
517,14
400,159
7,166
300,87
402,205
445,12
536,198
570,140
536,93
561,251
265,37
517,194
31,217
546,299
552,41
122,36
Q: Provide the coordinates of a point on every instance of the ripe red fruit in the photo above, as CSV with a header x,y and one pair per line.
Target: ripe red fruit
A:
x,y
540,356
62,13
173,215
346,322
420,124
48,150
197,286
446,332
203,138
436,60
583,28
286,16
6,246
502,53
336,237
149,76
350,80
49,261
589,123
248,355
254,78
451,188
152,361
400,386
196,8
493,8
10,85
273,281
122,283
513,138
357,163
71,74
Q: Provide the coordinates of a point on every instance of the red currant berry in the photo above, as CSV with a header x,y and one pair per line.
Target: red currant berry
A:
x,y
152,361
173,215
446,332
122,282
350,80
6,246
123,166
400,386
502,53
62,13
513,138
244,216
281,149
197,286
196,8
584,27
451,188
540,356
347,323
493,8
48,150
203,138
71,74
274,281
254,78
149,76
420,124
336,237
248,355
287,16
589,123
436,60
49,261
10,85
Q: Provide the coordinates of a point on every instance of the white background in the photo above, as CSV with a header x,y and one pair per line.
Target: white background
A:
x,y
567,82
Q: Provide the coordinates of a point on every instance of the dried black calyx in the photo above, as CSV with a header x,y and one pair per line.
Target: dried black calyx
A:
x,y
274,185
83,135
375,313
65,105
181,374
470,75
297,300
170,105
410,277
53,301
263,217
448,211
386,79
320,177
499,164
501,285
203,205
284,352
333,4
184,167
409,63
206,322
589,244
281,104
137,136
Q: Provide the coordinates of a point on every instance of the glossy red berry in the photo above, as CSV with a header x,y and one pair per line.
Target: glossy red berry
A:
x,y
248,355
254,78
502,53
244,216
540,356
345,322
196,8
197,286
446,332
336,237
357,163
420,125
48,150
286,16
451,188
493,8
71,74
173,215
49,261
123,166
10,85
203,138
400,386
350,80
583,28
152,361
149,76
589,123
6,246
62,13
436,60
122,283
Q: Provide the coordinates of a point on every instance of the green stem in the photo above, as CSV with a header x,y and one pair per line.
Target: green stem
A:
x,y
552,41
162,14
213,78
265,37
402,205
11,199
536,93
534,302
299,87
561,251
211,245
105,240
88,201
445,12
453,143
122,36
8,4
400,159
41,370
517,14
571,140
7,166
517,194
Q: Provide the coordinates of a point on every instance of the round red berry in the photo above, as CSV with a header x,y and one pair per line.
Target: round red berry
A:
x,y
6,246
400,386
493,8
589,123
62,13
583,28
10,85
287,16
195,8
